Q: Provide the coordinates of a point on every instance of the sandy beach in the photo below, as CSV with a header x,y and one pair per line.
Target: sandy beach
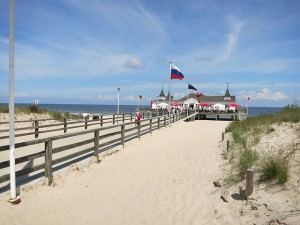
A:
x,y
166,178
163,178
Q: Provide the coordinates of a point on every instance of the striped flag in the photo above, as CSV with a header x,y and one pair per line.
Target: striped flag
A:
x,y
176,73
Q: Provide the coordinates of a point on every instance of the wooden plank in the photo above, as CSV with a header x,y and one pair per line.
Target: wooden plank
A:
x,y
22,172
26,158
73,155
70,146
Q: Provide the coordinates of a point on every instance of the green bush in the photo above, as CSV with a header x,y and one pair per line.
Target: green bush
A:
x,y
56,115
275,167
4,109
246,159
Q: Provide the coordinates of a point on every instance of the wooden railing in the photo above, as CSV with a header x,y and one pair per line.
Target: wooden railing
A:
x,y
48,154
66,125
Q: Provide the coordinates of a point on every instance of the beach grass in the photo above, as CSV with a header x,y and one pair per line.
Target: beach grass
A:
x,y
246,135
247,159
56,115
274,167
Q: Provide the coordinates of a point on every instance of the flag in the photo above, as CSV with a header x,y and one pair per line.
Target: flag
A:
x,y
191,87
140,97
250,99
175,73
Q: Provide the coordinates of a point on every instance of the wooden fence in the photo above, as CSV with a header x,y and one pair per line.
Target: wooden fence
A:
x,y
36,128
48,154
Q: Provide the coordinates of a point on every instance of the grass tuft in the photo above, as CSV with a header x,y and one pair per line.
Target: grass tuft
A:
x,y
246,159
274,167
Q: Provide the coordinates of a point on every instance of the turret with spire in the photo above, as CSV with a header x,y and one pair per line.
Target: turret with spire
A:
x,y
227,94
162,93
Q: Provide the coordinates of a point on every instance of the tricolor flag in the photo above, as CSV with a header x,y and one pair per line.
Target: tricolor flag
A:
x,y
140,97
175,73
191,87
250,99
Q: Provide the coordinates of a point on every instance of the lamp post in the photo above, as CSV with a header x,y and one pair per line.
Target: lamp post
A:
x,y
118,100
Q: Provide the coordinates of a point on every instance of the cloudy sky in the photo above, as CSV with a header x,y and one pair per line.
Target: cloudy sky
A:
x,y
79,51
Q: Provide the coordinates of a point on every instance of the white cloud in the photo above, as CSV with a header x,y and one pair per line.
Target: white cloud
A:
x,y
21,95
179,95
130,98
134,63
106,97
86,97
264,94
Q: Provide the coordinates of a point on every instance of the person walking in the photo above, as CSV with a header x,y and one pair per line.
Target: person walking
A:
x,y
138,117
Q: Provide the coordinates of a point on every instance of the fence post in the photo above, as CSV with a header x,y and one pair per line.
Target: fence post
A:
x,y
130,116
96,145
150,126
114,119
86,122
65,125
36,130
158,123
123,135
139,129
48,161
222,136
101,120
173,119
123,118
165,121
249,182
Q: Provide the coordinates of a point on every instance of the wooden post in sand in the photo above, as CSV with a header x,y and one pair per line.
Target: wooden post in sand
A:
x,y
65,125
139,129
222,136
123,135
114,119
96,145
165,121
158,123
101,119
249,182
36,130
130,116
123,117
150,126
86,122
48,161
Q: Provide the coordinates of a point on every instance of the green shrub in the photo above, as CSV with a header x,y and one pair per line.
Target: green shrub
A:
x,y
4,109
56,115
275,167
246,159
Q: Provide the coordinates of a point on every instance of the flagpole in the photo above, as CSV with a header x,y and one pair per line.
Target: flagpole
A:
x,y
170,97
13,196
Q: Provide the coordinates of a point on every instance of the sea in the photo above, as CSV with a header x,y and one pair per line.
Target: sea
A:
x,y
111,109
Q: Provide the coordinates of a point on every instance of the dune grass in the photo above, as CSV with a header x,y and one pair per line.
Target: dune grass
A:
x,y
274,167
246,134
38,110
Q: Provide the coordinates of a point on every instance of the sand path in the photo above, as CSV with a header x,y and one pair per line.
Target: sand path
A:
x,y
166,178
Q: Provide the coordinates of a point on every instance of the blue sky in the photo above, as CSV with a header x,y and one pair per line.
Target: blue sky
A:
x,y
78,51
